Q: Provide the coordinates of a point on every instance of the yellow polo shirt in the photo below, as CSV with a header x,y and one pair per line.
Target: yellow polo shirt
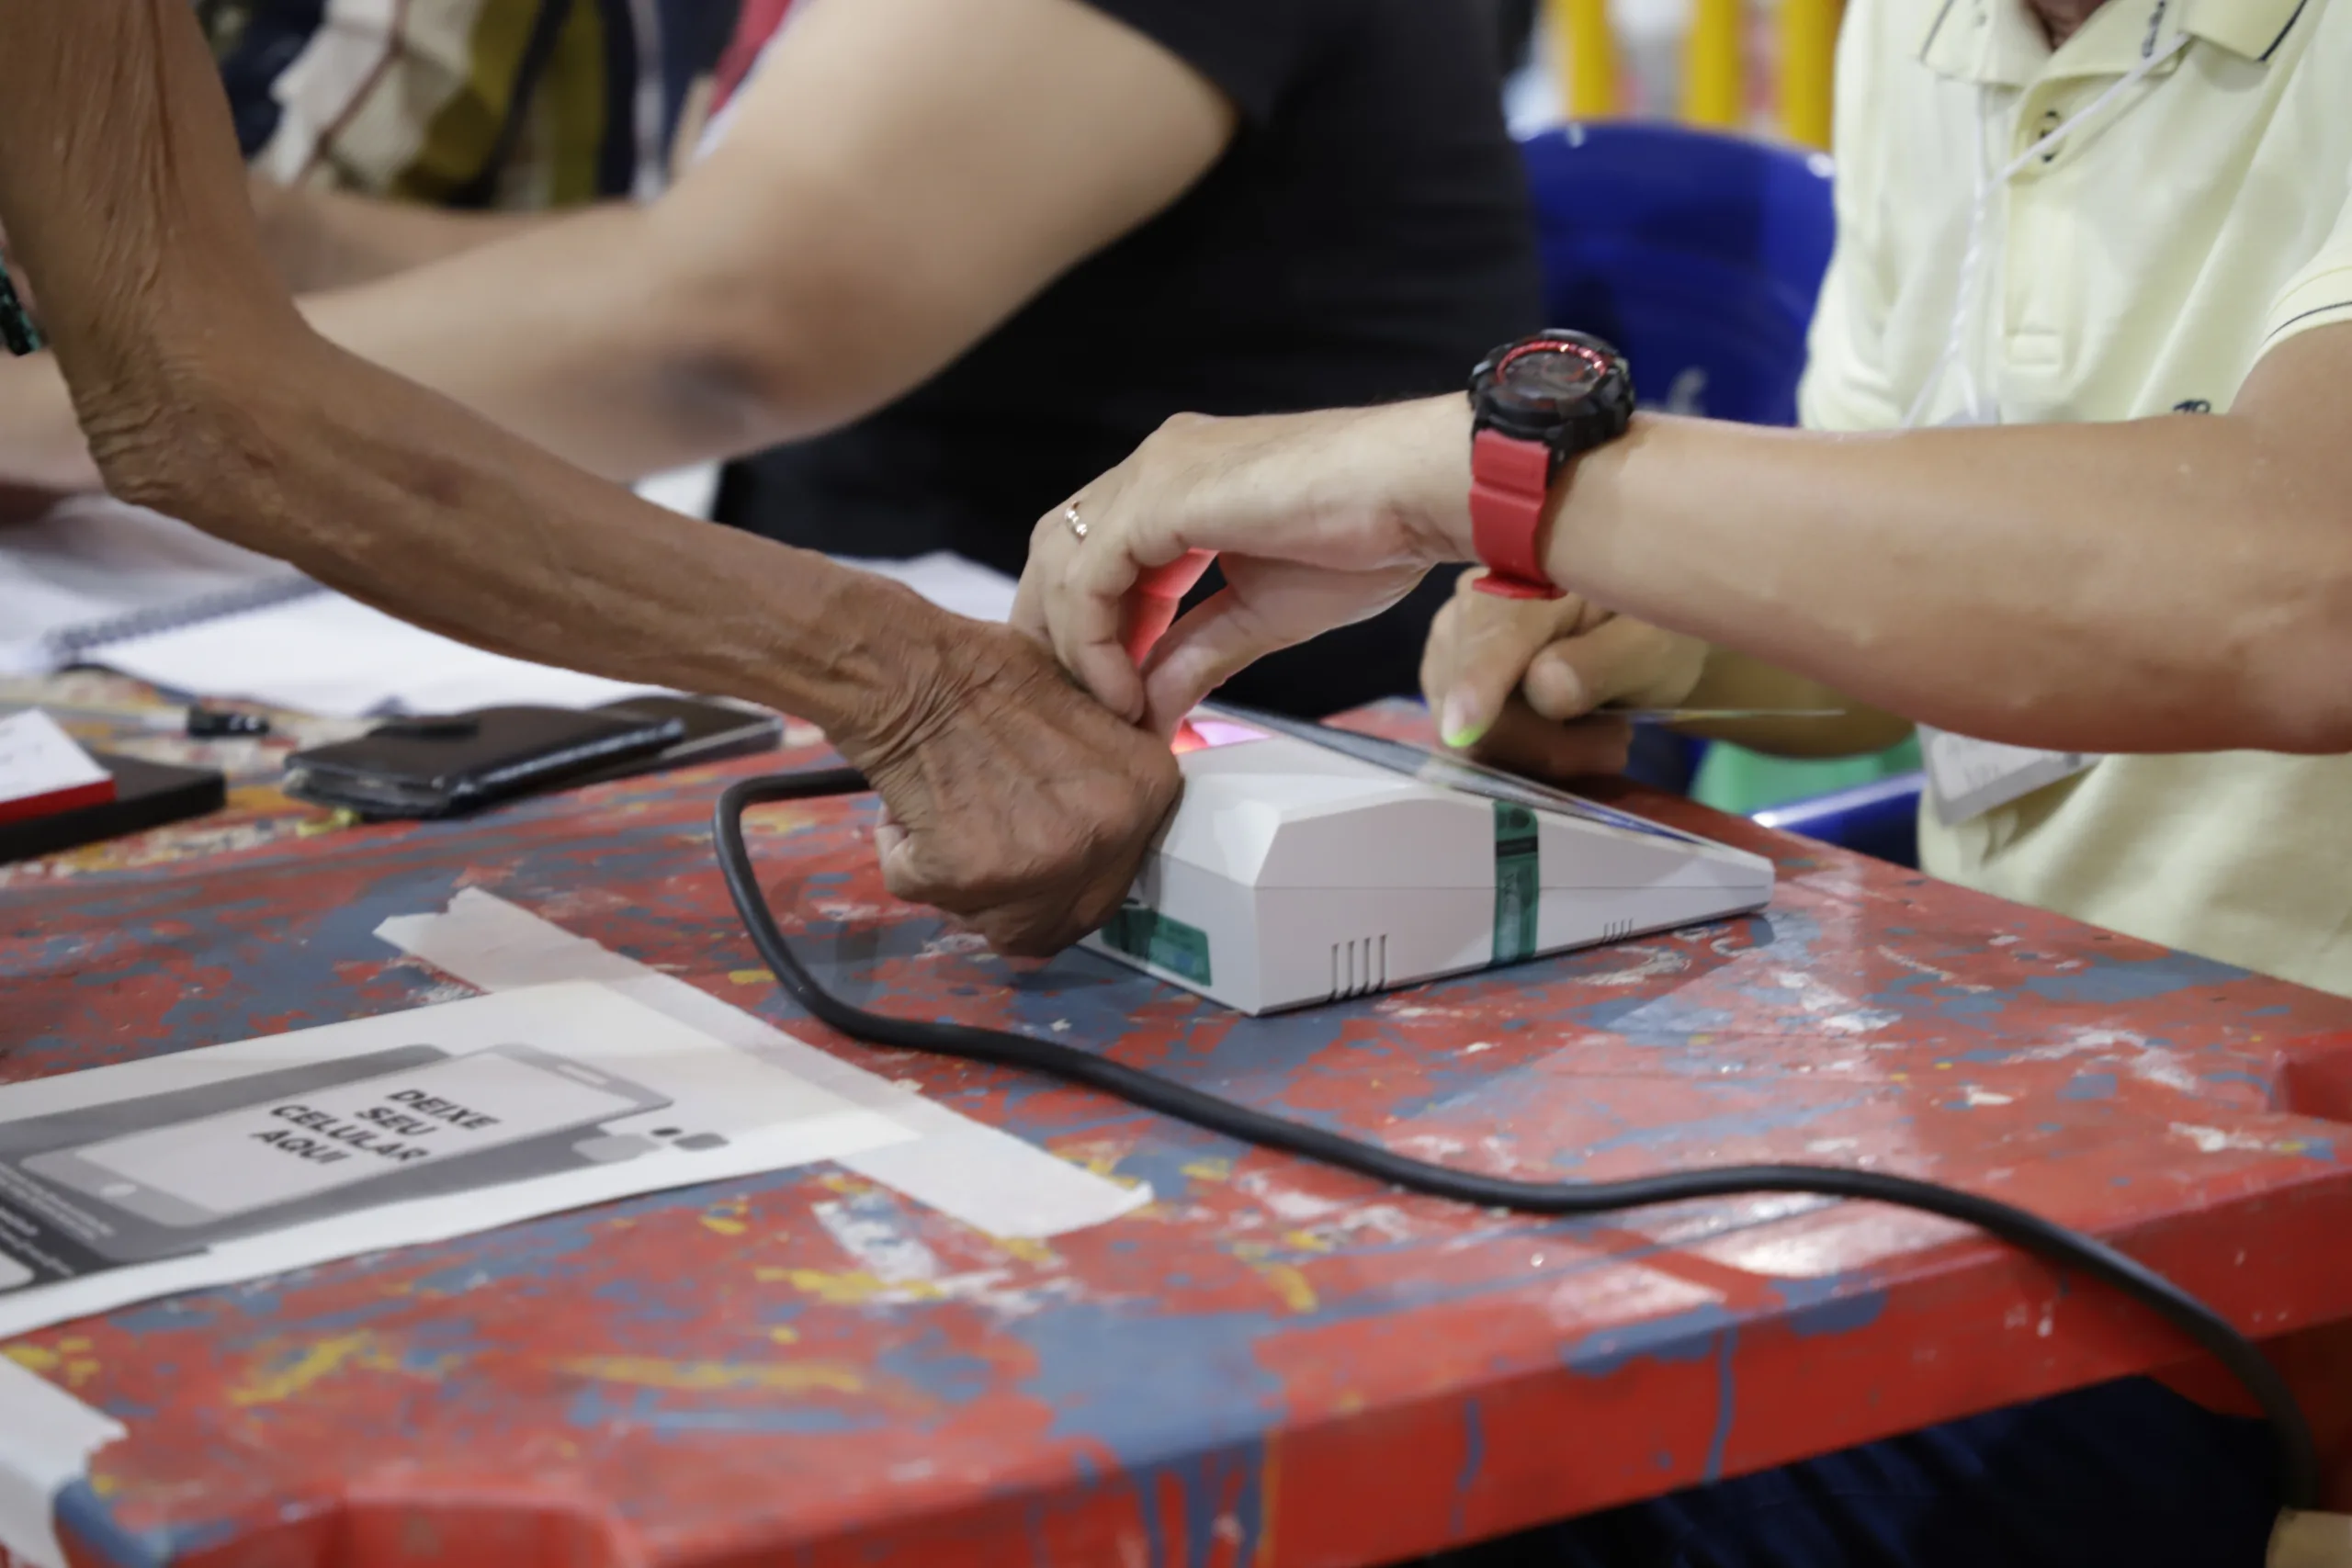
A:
x,y
2143,267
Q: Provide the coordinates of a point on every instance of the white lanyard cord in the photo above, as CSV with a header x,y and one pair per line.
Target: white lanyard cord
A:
x,y
1968,298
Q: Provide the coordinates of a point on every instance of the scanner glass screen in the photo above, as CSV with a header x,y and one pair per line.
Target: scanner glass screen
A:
x,y
1448,773
314,1141
1208,731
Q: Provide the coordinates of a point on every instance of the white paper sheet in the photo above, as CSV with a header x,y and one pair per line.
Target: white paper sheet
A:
x,y
130,1182
37,758
988,1178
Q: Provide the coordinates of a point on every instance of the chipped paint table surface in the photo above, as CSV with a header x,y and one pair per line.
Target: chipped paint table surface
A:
x,y
1269,1362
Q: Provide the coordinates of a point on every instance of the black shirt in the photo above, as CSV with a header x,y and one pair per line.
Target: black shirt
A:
x,y
1364,237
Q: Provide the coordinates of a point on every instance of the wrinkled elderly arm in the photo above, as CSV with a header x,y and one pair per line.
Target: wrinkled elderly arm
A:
x,y
204,394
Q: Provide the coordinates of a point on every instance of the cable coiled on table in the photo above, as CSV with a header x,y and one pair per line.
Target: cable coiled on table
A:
x,y
2298,1453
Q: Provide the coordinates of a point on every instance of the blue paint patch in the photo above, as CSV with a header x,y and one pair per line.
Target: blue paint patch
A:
x,y
2111,981
1677,1337
82,1514
2089,1086
1817,1307
1149,1388
932,1364
1473,1459
1726,1400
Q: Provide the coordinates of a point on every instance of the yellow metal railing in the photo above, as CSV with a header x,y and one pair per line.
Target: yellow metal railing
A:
x,y
1715,63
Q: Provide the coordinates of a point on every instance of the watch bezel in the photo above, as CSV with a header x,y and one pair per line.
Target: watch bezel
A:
x,y
1566,427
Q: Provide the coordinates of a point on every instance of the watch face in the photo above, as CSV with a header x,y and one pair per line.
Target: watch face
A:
x,y
1550,375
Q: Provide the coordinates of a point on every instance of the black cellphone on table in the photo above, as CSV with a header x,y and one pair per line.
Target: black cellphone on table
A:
x,y
714,730
451,764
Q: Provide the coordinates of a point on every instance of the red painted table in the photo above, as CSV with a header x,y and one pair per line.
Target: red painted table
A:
x,y
1270,1364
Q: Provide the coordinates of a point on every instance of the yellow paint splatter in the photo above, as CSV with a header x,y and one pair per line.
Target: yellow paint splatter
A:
x,y
714,1377
784,1335
1102,1159
1027,1248
1210,1171
1305,1241
319,1361
1290,1284
751,976
723,1224
75,1370
854,1288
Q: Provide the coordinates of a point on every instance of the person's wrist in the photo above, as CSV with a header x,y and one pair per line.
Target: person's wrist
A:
x,y
890,671
1421,450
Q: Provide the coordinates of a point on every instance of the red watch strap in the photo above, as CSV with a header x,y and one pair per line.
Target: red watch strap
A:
x,y
1509,482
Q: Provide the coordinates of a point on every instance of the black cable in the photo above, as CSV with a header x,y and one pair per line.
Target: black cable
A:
x,y
2298,1453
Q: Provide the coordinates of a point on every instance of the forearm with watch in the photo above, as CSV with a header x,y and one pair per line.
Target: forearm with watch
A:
x,y
2075,586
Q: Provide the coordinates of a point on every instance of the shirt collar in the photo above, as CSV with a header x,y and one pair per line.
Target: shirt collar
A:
x,y
1999,41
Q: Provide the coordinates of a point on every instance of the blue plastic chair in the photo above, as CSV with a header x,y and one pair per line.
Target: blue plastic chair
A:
x,y
1700,256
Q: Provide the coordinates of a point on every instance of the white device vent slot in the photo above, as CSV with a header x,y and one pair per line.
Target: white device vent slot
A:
x,y
1616,931
1360,965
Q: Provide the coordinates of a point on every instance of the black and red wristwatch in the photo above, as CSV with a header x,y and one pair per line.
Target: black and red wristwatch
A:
x,y
1536,404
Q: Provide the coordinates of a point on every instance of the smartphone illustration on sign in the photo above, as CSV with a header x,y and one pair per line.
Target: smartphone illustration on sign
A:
x,y
168,1173
273,1152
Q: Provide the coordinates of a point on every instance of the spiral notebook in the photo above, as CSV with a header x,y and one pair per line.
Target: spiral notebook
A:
x,y
93,572
98,582
94,581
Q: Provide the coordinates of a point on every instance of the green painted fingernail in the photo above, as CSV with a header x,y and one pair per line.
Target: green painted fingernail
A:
x,y
1458,726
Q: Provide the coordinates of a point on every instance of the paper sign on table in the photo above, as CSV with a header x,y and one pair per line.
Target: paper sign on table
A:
x,y
216,1166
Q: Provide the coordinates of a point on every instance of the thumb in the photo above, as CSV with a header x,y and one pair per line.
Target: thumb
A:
x,y
1618,659
1478,651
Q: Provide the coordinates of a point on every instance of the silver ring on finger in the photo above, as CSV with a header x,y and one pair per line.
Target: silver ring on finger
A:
x,y
1077,523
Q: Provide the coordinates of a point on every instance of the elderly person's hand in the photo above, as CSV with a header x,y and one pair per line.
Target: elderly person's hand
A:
x,y
1014,800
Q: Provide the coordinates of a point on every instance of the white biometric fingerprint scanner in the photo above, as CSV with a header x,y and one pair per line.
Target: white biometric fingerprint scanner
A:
x,y
1307,864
